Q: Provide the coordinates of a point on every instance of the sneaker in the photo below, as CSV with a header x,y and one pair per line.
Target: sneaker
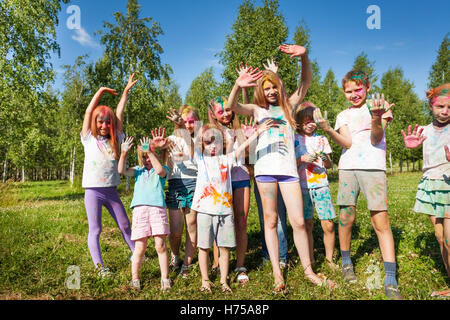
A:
x,y
391,291
136,284
104,273
184,272
175,262
348,274
166,284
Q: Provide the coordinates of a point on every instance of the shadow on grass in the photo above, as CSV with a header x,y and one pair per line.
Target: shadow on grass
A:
x,y
427,245
71,196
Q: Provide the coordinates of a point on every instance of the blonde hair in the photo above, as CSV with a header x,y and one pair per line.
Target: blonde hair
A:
x,y
260,99
163,156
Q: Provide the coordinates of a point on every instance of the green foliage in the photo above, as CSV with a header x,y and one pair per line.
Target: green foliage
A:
x,y
363,63
440,70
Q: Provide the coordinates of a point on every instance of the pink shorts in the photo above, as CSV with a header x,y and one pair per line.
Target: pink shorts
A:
x,y
149,221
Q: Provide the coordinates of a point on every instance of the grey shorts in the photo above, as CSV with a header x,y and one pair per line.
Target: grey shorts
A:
x,y
215,227
372,183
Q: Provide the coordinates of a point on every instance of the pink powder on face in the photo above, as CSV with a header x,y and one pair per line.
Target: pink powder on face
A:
x,y
190,119
439,100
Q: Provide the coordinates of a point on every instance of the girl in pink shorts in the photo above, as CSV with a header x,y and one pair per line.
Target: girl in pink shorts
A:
x,y
148,204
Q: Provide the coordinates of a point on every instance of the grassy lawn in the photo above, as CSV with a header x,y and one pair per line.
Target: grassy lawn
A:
x,y
43,231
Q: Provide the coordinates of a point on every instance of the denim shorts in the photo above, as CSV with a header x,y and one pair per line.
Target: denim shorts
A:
x,y
180,193
240,184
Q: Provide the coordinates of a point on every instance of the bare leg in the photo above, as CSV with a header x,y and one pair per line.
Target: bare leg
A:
x,y
224,262
381,225
329,238
347,216
447,244
191,236
241,203
176,230
136,261
203,261
215,255
163,255
309,224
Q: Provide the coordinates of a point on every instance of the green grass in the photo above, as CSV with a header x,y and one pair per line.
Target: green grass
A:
x,y
43,230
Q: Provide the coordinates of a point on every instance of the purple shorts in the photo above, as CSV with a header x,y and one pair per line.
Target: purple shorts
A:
x,y
275,178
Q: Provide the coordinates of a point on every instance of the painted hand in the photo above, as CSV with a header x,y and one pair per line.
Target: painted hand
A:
x,y
447,153
174,116
127,144
321,121
269,123
310,158
378,105
130,83
293,50
145,144
176,154
271,65
248,77
413,140
322,155
249,128
158,140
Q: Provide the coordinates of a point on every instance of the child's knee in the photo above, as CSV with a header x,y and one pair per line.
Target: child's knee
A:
x,y
309,224
327,226
160,247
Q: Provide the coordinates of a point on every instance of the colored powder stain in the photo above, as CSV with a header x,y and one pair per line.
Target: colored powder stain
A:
x,y
223,172
341,223
317,178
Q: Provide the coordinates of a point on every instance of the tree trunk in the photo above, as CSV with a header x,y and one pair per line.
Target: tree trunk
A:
x,y
5,166
23,174
407,165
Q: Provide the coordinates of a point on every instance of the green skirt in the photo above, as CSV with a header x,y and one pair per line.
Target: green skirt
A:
x,y
433,197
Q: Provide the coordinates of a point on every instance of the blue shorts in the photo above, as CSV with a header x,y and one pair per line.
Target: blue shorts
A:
x,y
240,184
181,193
276,178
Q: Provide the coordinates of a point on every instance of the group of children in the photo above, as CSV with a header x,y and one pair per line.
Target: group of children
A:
x,y
208,168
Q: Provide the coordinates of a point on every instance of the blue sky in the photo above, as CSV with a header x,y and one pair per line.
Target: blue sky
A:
x,y
195,30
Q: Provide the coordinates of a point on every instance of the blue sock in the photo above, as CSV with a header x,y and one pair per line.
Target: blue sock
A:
x,y
390,272
346,258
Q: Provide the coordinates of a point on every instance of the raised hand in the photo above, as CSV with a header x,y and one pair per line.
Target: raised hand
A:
x,y
109,90
271,65
174,116
248,76
127,144
249,128
321,121
447,153
145,144
241,69
176,154
293,50
130,83
158,140
378,105
413,140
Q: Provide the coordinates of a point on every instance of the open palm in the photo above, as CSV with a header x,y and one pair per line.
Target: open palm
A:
x,y
414,139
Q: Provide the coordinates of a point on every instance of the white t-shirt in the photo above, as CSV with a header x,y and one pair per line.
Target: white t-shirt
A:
x,y
185,169
362,155
435,164
213,191
100,167
275,152
312,175
239,173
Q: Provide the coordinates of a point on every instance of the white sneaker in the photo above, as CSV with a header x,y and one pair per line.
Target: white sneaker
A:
x,y
166,284
104,273
136,284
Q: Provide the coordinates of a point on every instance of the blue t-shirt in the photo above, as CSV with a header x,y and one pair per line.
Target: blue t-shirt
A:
x,y
148,188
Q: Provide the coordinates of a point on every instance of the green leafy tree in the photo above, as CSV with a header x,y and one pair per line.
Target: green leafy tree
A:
x,y
440,70
363,63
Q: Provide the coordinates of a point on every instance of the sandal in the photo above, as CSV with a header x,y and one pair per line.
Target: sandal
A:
x,y
280,287
442,294
206,288
184,272
226,288
326,282
241,275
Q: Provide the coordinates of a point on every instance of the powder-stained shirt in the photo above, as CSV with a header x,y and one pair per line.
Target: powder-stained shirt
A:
x,y
183,168
435,164
275,152
362,155
213,192
312,175
100,167
148,188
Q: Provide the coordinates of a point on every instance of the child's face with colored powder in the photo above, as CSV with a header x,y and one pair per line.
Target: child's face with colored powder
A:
x,y
103,125
355,93
222,114
146,161
440,107
270,92
308,127
189,122
211,145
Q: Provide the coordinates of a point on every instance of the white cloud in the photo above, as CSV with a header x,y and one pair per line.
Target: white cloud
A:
x,y
379,47
84,38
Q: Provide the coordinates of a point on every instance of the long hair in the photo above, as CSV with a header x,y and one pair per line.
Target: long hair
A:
x,y
162,156
106,112
443,90
260,100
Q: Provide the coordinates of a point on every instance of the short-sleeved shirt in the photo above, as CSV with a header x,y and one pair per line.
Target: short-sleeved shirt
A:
x,y
148,188
312,175
100,167
213,192
275,152
185,169
435,164
362,155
